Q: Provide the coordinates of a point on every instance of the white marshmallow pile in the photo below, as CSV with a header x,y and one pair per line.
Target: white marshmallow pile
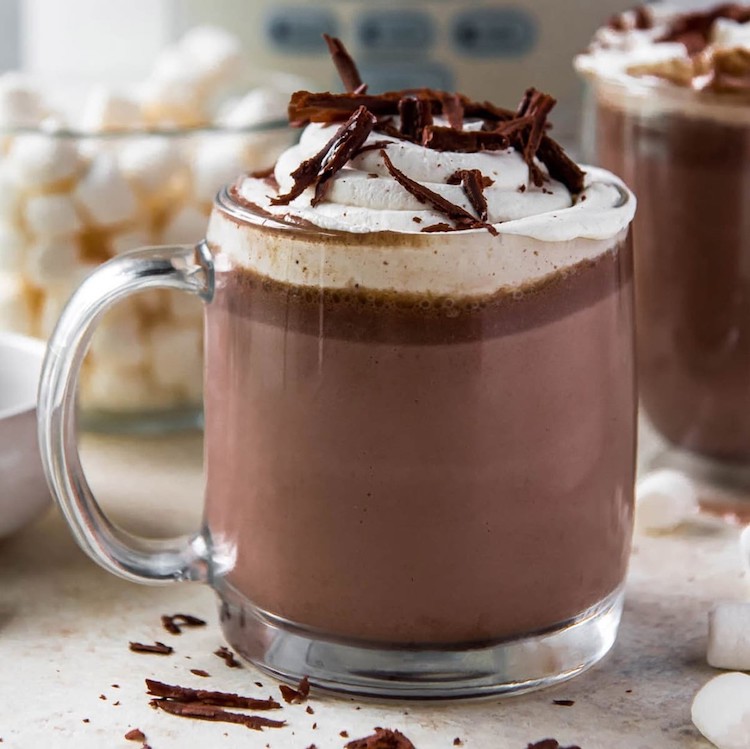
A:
x,y
664,501
68,203
721,711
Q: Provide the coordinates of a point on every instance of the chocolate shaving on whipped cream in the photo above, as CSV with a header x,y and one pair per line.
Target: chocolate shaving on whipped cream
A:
x,y
416,115
318,170
453,111
694,29
345,65
205,697
462,218
473,182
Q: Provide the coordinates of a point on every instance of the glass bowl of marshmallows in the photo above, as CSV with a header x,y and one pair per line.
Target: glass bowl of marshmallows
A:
x,y
87,175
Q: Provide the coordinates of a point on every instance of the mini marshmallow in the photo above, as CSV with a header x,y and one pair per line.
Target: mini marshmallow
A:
x,y
187,226
15,311
218,159
10,196
20,103
721,711
216,52
55,299
53,260
151,163
37,160
51,215
119,342
105,194
258,106
176,355
12,249
729,636
185,308
133,239
106,110
664,500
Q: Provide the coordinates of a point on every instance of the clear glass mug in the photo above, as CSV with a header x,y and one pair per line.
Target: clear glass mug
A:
x,y
686,155
408,494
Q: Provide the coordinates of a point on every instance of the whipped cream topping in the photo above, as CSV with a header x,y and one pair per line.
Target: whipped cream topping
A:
x,y
541,230
614,53
364,197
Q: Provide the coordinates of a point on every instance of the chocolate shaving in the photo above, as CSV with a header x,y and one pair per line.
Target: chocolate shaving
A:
x,y
383,738
135,735
159,648
694,29
470,141
453,111
549,744
345,65
228,657
200,672
643,18
439,227
537,106
461,217
560,166
473,182
564,703
296,696
205,697
173,624
416,115
318,170
199,711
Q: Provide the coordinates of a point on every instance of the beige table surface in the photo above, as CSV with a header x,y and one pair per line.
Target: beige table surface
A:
x,y
65,626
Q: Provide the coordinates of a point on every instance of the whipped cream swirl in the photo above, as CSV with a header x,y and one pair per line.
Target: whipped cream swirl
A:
x,y
364,197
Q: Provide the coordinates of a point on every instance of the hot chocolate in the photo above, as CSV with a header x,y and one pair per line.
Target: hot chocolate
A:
x,y
673,119
421,438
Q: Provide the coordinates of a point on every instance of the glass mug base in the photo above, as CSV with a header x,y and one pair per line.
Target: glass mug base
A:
x,y
289,652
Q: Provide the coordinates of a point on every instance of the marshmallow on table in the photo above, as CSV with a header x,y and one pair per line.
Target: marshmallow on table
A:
x,y
729,637
721,711
151,163
104,194
51,215
187,226
12,249
20,103
106,110
37,160
53,260
664,501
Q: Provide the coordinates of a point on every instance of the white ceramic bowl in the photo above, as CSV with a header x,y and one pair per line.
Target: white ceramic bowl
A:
x,y
23,489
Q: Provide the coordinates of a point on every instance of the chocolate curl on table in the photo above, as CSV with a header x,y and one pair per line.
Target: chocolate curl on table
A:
x,y
345,65
473,182
461,217
296,696
199,711
318,170
206,697
416,115
174,623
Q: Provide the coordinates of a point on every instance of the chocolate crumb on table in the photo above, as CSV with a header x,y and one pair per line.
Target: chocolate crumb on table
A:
x,y
174,623
228,657
200,672
296,696
344,734
384,738
205,697
102,696
564,703
200,711
309,710
158,648
135,735
259,684
550,744
457,742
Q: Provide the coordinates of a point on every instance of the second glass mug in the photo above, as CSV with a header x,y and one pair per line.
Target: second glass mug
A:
x,y
407,495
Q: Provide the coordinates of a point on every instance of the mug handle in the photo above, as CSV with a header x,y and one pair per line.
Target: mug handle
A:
x,y
185,268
